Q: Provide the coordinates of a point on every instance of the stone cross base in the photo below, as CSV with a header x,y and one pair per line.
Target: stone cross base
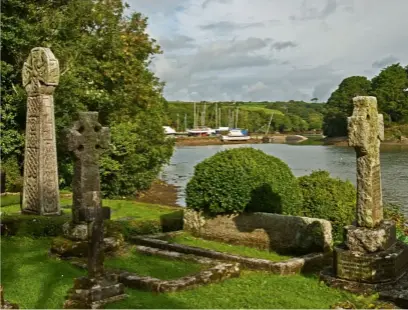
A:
x,y
378,267
94,293
370,240
371,255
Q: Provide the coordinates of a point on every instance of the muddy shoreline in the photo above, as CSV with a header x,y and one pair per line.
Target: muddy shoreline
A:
x,y
337,141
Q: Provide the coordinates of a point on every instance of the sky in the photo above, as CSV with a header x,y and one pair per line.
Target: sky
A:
x,y
270,50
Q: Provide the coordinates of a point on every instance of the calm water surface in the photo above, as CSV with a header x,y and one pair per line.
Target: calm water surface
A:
x,y
303,159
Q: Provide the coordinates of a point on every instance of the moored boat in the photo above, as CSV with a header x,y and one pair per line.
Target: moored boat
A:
x,y
236,135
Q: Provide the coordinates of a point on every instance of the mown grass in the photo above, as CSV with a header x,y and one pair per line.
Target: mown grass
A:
x,y
8,200
187,239
34,280
154,266
119,208
253,290
30,277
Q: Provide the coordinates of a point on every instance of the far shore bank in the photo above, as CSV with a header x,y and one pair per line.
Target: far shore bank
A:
x,y
281,139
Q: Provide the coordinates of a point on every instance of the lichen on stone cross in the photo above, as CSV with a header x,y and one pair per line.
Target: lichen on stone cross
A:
x,y
40,190
40,72
365,133
87,140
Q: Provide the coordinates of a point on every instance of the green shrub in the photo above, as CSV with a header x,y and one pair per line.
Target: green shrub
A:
x,y
393,212
328,198
14,180
243,179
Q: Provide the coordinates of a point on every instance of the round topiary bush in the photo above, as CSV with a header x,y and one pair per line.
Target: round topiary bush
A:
x,y
243,179
328,198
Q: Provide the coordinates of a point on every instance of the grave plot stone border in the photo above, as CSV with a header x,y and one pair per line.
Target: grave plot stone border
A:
x,y
288,267
217,272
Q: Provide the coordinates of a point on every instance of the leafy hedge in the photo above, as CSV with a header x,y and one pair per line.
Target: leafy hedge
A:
x,y
243,179
327,198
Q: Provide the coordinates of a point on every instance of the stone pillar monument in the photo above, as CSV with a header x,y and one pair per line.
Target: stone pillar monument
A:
x,y
40,191
371,256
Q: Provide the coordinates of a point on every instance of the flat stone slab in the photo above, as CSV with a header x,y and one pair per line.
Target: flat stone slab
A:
x,y
370,240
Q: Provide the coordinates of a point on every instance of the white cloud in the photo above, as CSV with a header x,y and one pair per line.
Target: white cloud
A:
x,y
271,49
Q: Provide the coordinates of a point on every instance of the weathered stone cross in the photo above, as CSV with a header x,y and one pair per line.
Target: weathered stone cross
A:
x,y
88,139
366,131
40,190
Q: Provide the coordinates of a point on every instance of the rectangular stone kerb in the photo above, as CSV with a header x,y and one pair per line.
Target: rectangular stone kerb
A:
x,y
365,132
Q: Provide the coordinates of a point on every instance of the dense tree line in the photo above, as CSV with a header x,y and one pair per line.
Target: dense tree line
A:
x,y
104,58
389,86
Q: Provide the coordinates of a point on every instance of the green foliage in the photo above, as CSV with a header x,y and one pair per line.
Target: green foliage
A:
x,y
340,104
129,166
104,58
328,198
393,212
14,180
243,179
389,88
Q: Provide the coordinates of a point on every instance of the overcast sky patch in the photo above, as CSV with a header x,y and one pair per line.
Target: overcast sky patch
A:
x,y
271,49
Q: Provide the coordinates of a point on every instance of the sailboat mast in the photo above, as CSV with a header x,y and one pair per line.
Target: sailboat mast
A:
x,y
216,116
194,120
236,119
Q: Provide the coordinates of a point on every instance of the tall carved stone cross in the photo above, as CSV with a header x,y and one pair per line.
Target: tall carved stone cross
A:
x,y
40,191
88,139
366,131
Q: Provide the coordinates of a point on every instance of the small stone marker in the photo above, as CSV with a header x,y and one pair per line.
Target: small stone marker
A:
x,y
366,131
40,191
87,140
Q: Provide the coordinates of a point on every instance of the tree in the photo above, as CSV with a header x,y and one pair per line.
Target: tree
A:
x,y
314,99
340,104
315,121
389,88
104,58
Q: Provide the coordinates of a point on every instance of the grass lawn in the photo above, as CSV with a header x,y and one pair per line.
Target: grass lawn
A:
x,y
34,280
252,290
187,239
120,208
157,267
